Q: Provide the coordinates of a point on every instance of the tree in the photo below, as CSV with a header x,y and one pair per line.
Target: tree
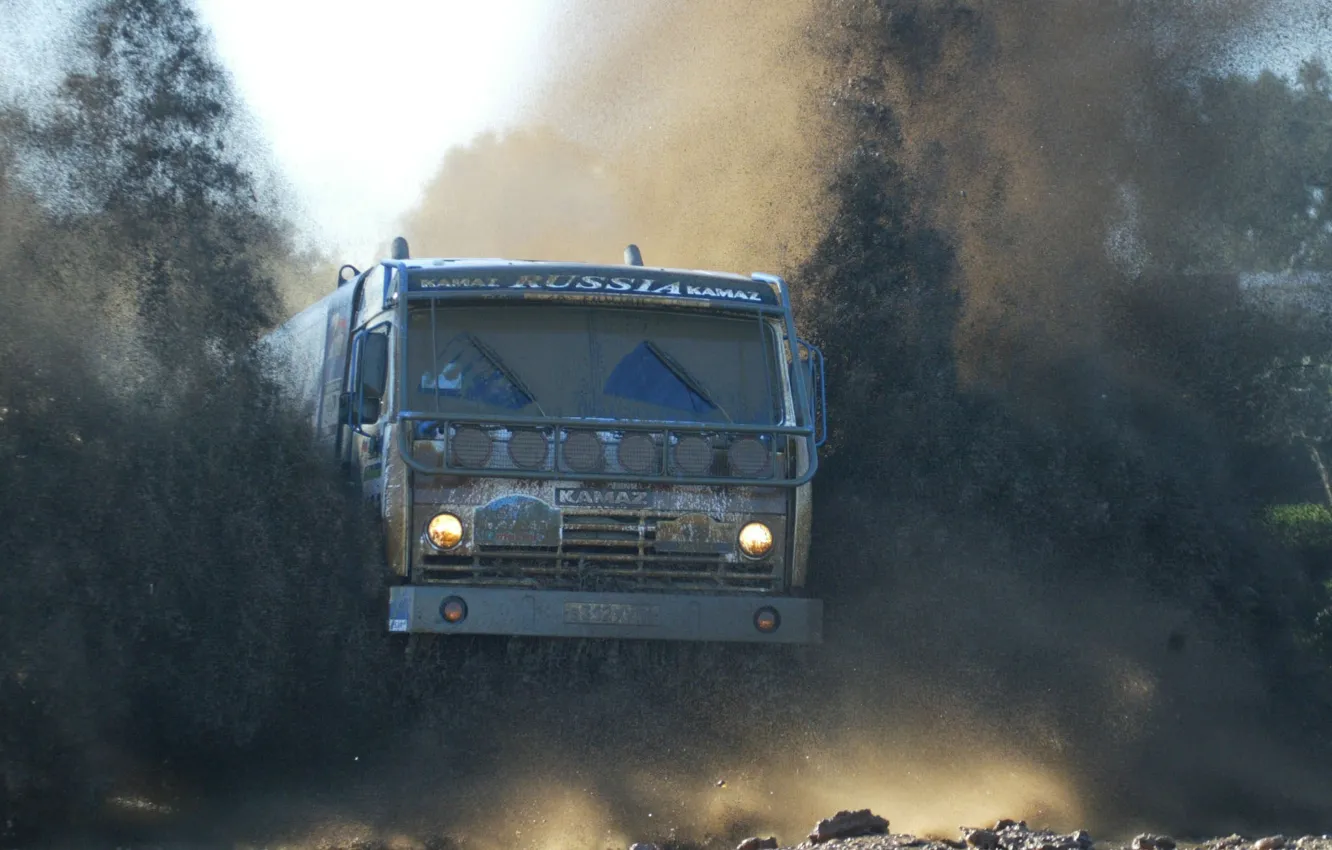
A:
x,y
161,509
1264,146
147,135
1293,398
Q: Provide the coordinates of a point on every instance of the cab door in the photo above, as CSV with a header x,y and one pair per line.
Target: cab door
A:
x,y
369,405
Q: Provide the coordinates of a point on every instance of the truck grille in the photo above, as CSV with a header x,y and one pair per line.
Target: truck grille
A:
x,y
605,551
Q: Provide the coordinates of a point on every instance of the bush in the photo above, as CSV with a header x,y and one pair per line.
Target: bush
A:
x,y
1300,526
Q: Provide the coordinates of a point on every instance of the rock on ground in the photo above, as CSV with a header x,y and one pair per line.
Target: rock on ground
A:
x,y
1016,835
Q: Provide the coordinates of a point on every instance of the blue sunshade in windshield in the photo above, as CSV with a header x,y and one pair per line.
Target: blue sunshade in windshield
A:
x,y
642,376
470,375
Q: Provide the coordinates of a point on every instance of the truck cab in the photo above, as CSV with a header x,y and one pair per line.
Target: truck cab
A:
x,y
573,450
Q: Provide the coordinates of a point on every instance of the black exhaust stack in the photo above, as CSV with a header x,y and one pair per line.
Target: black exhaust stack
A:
x,y
633,256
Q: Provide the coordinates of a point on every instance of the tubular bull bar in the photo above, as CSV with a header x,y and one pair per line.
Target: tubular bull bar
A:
x,y
458,609
562,426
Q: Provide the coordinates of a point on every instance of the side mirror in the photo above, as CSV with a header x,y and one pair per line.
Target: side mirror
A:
x,y
347,273
369,410
811,361
373,371
366,403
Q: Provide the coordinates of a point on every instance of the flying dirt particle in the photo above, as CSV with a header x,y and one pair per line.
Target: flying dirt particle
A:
x,y
701,143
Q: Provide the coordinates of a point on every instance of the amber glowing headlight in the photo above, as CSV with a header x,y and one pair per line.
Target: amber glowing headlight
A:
x,y
756,540
444,531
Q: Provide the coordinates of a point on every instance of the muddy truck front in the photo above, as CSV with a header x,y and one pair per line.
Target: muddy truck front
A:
x,y
564,450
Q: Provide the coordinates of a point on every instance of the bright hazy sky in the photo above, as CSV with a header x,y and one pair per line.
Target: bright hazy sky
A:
x,y
322,75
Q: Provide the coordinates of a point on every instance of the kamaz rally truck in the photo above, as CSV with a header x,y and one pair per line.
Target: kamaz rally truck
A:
x,y
569,450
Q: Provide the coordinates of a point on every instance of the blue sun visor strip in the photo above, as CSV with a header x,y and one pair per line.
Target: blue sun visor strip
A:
x,y
641,376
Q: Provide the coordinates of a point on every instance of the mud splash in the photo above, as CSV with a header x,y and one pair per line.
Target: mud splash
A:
x,y
690,129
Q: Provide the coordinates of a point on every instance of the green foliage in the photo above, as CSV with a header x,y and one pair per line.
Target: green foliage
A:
x,y
1300,525
1294,398
1322,623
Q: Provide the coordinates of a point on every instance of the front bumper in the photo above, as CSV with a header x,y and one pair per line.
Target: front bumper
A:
x,y
574,614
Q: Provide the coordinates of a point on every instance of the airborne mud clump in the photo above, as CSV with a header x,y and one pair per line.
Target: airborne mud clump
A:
x,y
1047,440
183,585
690,129
1014,230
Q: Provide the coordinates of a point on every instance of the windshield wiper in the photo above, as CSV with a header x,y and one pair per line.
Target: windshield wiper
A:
x,y
685,378
512,377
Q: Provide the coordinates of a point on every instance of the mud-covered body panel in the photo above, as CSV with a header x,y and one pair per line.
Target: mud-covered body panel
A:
x,y
573,534
558,613
589,517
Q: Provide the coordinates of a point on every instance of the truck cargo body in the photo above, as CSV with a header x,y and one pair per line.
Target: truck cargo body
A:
x,y
570,450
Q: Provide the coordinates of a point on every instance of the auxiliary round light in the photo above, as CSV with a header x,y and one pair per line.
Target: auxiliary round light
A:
x,y
528,449
756,540
748,457
582,451
638,454
693,455
471,447
444,531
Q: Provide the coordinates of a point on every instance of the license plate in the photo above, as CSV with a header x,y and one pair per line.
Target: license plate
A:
x,y
611,614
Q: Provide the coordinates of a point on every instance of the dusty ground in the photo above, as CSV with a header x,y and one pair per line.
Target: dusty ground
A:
x,y
1007,835
891,842
846,830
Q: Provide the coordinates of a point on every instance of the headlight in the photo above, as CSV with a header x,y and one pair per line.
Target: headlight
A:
x,y
755,540
444,531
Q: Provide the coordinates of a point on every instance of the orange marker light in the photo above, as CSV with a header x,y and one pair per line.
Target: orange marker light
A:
x,y
767,620
453,610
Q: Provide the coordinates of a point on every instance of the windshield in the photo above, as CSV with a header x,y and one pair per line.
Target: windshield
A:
x,y
592,363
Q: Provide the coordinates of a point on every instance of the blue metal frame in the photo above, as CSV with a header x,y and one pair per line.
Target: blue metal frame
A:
x,y
805,427
820,412
392,295
771,296
560,472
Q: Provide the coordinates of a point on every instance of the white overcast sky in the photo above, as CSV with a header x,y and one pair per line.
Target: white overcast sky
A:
x,y
360,99
357,99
